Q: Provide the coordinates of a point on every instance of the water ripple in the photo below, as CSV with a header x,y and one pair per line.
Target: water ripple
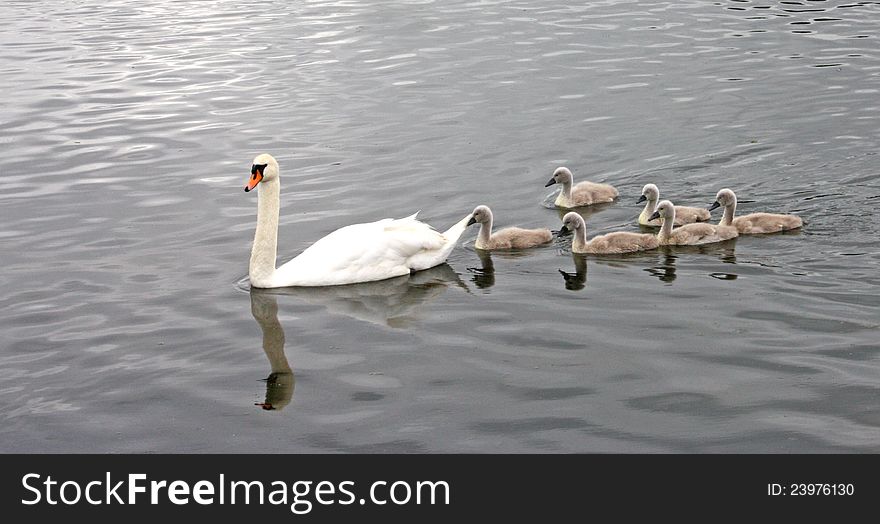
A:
x,y
128,130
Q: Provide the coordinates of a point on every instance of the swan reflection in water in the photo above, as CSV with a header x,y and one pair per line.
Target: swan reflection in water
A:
x,y
280,382
393,303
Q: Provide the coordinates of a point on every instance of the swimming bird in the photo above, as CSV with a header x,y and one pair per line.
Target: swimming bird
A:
x,y
683,214
689,234
754,223
610,243
356,253
581,194
508,238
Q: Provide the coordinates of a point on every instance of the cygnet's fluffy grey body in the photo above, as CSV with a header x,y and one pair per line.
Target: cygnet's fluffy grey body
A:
x,y
508,238
608,244
581,194
754,223
689,234
683,214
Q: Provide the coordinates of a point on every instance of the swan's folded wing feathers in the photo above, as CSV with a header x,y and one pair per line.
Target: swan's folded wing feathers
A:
x,y
363,252
411,236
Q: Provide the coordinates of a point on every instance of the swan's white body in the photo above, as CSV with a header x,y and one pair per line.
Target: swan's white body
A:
x,y
357,253
393,302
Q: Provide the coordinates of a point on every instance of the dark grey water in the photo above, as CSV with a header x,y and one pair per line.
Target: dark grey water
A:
x,y
128,130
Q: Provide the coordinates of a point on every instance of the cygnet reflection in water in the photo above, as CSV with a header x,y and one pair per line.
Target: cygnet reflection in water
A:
x,y
577,280
280,382
666,269
483,276
393,302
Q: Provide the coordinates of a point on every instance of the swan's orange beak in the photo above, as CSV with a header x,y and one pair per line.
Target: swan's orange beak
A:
x,y
255,178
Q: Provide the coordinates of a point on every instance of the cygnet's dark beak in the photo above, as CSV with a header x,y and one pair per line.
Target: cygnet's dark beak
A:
x,y
550,183
641,199
471,222
715,205
563,230
655,216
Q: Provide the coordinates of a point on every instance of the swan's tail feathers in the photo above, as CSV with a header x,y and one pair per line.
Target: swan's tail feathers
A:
x,y
409,222
434,257
454,233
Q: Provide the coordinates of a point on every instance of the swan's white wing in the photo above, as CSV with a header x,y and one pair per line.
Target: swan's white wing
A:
x,y
360,253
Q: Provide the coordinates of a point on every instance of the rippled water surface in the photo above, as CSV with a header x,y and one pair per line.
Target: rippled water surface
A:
x,y
128,129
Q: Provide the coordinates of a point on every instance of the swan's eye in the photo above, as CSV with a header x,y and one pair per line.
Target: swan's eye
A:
x,y
257,169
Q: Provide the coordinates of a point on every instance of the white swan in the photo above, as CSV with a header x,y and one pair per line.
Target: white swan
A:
x,y
683,214
356,253
608,244
582,194
754,223
507,238
689,234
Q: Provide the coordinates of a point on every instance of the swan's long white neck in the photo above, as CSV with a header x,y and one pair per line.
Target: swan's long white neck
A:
x,y
485,232
729,210
264,251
